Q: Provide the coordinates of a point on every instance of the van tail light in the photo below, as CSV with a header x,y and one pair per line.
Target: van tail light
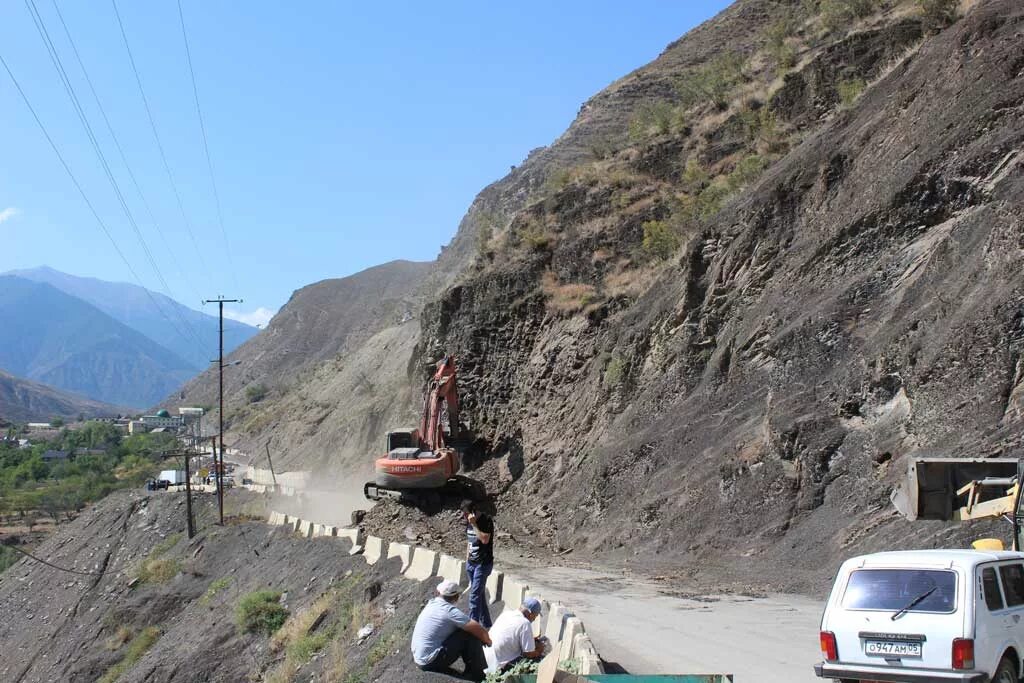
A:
x,y
828,646
963,653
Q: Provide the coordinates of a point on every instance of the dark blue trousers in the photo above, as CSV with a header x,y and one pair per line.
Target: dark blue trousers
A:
x,y
478,610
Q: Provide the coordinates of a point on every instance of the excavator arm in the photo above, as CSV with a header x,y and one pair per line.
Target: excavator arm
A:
x,y
442,393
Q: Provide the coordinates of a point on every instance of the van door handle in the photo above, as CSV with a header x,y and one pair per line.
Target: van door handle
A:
x,y
1016,618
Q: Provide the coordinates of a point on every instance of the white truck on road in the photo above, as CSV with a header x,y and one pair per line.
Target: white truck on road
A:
x,y
172,477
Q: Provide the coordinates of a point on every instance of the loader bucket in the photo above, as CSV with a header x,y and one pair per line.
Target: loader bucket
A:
x,y
929,489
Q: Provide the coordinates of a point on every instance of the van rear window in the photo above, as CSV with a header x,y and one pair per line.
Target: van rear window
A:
x,y
895,589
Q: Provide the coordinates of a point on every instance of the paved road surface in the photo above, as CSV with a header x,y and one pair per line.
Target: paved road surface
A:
x,y
758,640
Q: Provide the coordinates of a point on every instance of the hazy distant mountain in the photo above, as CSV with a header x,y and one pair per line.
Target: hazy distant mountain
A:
x,y
52,337
22,400
130,304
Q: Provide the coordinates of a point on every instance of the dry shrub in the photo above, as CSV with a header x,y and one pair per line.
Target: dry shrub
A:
x,y
628,282
298,624
566,298
122,636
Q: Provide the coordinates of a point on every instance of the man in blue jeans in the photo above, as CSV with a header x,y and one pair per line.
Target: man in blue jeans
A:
x,y
479,560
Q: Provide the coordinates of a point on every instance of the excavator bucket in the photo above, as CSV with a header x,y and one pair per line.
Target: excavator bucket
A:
x,y
954,489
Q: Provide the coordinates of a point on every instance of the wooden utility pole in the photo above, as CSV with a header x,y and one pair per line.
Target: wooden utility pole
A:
x,y
188,491
271,463
220,301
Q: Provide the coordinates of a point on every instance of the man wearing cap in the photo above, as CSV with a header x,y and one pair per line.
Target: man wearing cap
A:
x,y
444,634
512,635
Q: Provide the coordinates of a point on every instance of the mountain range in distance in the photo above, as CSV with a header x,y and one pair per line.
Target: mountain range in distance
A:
x,y
101,340
133,306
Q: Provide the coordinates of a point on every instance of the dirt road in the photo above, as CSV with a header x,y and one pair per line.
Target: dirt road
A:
x,y
646,629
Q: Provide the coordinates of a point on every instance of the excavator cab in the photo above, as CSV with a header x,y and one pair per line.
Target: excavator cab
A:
x,y
403,438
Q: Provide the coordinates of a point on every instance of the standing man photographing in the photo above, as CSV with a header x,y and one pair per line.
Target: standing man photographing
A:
x,y
479,560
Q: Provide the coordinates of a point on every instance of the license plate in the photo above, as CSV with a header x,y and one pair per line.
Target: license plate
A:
x,y
889,648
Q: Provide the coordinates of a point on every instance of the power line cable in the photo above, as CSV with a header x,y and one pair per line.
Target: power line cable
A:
x,y
120,150
69,89
67,169
50,564
156,136
206,149
74,180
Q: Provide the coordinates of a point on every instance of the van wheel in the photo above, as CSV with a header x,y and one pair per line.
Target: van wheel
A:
x,y
1006,672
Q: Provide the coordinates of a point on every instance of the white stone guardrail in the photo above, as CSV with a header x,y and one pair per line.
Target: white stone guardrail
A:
x,y
564,631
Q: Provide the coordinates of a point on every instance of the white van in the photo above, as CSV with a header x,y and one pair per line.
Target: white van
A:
x,y
925,616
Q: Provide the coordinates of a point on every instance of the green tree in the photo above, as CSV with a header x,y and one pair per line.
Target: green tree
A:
x,y
254,393
713,82
660,239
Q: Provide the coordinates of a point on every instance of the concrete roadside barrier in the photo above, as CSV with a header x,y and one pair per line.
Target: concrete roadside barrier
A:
x,y
422,564
564,631
585,653
373,549
402,551
452,569
553,627
353,536
513,593
573,628
495,586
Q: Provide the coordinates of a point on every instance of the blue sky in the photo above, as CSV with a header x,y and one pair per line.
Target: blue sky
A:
x,y
342,135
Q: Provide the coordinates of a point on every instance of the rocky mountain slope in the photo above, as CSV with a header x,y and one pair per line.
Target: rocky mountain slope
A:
x,y
164,323
57,339
708,325
148,604
22,400
720,342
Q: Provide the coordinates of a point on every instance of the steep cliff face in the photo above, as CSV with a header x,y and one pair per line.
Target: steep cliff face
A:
x,y
744,375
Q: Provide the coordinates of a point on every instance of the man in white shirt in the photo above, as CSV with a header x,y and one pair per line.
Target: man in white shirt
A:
x,y
512,635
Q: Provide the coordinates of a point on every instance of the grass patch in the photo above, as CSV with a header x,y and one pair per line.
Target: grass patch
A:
x,y
777,36
260,612
136,648
158,570
614,373
838,15
8,557
165,545
566,298
713,82
330,619
215,587
849,90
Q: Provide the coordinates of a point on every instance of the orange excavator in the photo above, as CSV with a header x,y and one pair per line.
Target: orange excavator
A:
x,y
423,463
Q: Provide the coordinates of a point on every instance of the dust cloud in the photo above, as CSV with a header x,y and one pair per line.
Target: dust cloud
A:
x,y
327,498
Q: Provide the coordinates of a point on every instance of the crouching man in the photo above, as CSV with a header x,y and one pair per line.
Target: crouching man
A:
x,y
444,634
512,636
